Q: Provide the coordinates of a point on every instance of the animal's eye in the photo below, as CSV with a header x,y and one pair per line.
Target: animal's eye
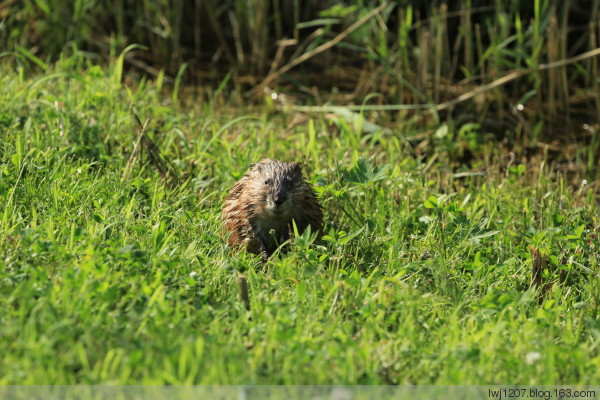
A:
x,y
268,181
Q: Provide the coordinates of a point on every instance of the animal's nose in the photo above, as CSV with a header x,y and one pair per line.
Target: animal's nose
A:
x,y
279,199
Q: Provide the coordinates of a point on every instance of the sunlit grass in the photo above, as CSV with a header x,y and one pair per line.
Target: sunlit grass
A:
x,y
422,277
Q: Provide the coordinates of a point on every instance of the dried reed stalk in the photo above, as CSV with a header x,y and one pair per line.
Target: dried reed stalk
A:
x,y
131,161
539,263
325,46
243,285
515,75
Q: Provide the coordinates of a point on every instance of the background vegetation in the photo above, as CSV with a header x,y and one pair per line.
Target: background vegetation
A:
x,y
454,151
399,53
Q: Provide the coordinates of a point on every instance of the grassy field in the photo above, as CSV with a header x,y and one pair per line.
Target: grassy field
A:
x,y
111,274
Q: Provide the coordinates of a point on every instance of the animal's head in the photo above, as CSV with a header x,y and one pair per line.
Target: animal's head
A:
x,y
278,181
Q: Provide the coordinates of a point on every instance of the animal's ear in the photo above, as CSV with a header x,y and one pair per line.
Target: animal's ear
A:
x,y
296,167
256,167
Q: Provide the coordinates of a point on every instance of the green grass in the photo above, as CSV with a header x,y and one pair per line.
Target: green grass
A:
x,y
422,277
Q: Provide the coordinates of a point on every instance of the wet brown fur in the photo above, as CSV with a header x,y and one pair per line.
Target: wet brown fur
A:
x,y
267,198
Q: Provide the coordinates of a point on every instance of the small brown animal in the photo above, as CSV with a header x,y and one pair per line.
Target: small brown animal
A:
x,y
267,198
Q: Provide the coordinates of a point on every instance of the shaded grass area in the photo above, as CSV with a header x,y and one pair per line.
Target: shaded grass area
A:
x,y
423,276
385,53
